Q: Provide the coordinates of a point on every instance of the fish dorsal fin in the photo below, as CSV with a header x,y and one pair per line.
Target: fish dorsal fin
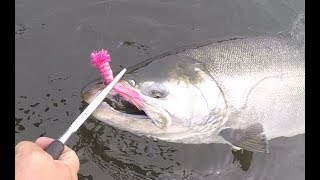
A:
x,y
250,138
297,27
298,22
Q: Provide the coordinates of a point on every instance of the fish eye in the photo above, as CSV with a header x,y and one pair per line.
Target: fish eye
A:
x,y
132,82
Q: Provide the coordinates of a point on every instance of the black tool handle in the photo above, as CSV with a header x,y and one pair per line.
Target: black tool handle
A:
x,y
55,149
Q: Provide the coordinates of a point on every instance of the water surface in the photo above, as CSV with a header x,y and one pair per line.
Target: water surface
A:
x,y
54,40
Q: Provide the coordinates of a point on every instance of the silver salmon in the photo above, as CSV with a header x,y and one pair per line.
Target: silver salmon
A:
x,y
242,92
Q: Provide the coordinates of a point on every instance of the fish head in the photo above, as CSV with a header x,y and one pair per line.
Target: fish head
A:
x,y
172,99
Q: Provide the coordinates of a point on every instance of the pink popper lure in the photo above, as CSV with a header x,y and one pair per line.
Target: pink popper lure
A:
x,y
101,60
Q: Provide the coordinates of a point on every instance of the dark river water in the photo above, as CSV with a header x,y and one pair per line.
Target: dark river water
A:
x,y
53,42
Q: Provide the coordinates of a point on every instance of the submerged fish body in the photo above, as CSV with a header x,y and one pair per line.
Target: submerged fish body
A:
x,y
241,92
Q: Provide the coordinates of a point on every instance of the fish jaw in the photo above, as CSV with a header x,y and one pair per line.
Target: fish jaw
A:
x,y
156,116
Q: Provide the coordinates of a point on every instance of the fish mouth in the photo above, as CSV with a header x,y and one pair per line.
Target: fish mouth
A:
x,y
118,103
146,111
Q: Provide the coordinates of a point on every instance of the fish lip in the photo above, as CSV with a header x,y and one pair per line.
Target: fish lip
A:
x,y
107,105
148,108
89,93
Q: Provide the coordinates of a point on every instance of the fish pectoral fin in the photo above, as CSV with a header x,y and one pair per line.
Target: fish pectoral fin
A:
x,y
250,138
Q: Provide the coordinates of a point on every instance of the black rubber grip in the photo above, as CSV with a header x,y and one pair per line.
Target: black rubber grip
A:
x,y
55,149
